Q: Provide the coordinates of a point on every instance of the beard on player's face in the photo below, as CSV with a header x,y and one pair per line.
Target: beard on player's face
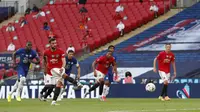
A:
x,y
53,45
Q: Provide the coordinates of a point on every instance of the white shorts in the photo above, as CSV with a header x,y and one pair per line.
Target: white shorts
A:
x,y
164,76
49,80
59,79
57,75
100,75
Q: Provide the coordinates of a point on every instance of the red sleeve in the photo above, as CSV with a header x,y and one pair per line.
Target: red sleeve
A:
x,y
159,56
45,53
62,54
100,59
173,57
113,61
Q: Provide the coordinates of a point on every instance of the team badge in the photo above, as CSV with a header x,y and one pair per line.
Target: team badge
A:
x,y
57,55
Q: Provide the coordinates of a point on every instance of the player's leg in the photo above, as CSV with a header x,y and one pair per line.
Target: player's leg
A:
x,y
96,85
13,90
99,81
49,91
165,84
59,85
45,88
20,87
50,85
73,81
106,89
166,88
101,89
108,79
61,92
22,79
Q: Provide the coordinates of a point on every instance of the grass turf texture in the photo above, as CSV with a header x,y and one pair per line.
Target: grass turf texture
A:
x,y
111,105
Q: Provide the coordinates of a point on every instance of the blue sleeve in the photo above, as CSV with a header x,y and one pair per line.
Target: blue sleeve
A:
x,y
75,61
18,51
115,58
35,55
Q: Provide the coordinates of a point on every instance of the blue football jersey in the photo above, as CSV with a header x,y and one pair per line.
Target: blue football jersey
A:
x,y
25,57
69,64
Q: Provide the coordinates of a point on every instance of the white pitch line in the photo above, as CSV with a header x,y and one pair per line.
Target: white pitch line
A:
x,y
157,110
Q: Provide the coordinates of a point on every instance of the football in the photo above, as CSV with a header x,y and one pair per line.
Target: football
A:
x,y
150,87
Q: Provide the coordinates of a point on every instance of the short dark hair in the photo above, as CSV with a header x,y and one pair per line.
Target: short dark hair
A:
x,y
70,51
110,46
28,43
51,39
168,44
128,74
45,23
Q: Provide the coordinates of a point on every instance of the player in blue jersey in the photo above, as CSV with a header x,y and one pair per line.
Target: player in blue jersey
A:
x,y
26,56
104,87
70,62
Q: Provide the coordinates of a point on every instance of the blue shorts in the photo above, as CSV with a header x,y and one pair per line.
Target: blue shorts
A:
x,y
21,72
109,77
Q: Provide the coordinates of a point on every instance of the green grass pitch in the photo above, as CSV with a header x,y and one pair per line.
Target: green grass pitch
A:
x,y
111,105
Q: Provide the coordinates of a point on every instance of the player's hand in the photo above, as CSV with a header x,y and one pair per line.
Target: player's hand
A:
x,y
95,73
154,70
78,77
61,70
174,76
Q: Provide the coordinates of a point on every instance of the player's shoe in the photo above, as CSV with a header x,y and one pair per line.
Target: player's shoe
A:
x,y
161,98
53,103
79,86
41,97
87,93
9,98
59,99
167,98
103,98
100,98
18,99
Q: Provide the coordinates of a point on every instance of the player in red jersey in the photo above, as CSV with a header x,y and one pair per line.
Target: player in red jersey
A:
x,y
100,67
165,59
54,59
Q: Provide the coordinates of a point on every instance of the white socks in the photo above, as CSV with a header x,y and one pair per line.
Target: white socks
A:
x,y
15,87
105,90
20,85
61,92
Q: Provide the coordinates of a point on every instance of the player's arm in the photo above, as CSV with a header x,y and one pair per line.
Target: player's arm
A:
x,y
154,65
115,68
154,62
79,71
44,63
94,67
174,67
14,55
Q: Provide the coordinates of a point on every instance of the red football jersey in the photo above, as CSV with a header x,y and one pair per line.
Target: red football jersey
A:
x,y
104,64
164,61
54,59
